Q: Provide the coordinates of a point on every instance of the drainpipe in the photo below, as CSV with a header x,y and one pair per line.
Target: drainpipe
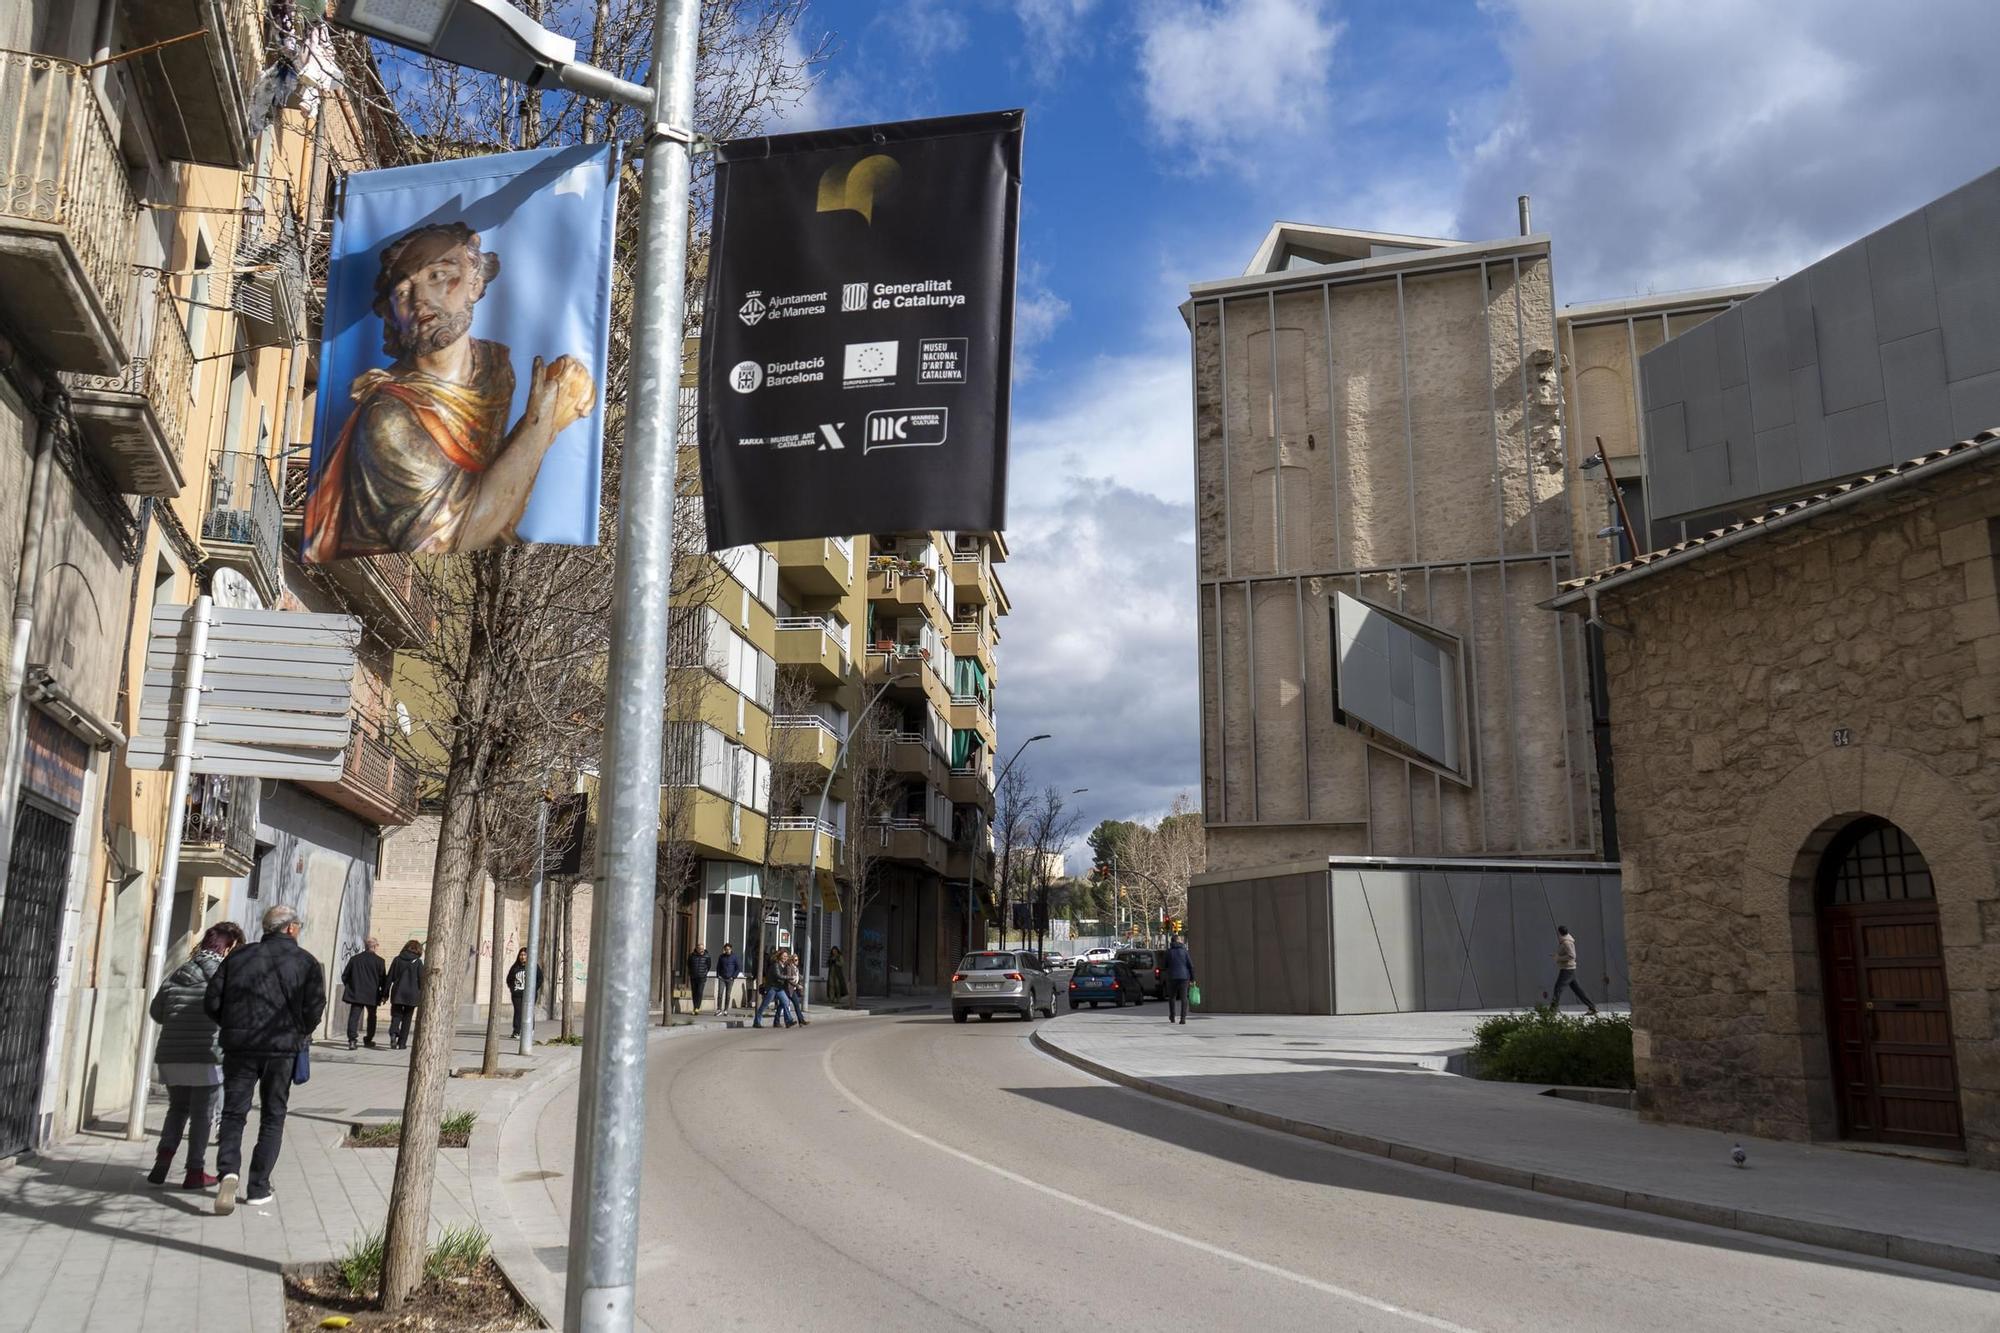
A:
x,y
100,48
25,589
1521,203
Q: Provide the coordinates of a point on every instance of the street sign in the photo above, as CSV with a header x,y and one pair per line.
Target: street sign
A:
x,y
274,695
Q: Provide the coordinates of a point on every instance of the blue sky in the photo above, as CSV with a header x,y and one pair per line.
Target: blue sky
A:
x,y
1666,145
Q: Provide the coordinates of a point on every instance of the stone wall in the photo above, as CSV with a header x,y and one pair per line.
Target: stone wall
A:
x,y
1762,699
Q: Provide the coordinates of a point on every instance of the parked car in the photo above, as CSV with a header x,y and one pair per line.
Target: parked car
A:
x,y
1112,983
1055,960
1001,982
1150,967
1100,954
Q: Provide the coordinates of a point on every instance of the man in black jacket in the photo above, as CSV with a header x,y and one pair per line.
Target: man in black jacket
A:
x,y
267,998
362,986
698,973
1179,967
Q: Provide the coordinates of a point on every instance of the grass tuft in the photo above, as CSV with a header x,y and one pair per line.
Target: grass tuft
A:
x,y
458,1124
457,1252
360,1268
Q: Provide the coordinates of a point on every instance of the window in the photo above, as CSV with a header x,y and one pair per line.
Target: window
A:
x,y
1400,679
1873,861
199,283
988,962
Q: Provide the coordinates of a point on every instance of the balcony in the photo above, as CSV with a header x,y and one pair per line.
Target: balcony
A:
x,y
802,738
790,836
815,643
973,712
135,422
197,93
264,251
819,567
970,638
714,825
971,578
66,211
971,786
910,754
376,784
219,831
961,861
910,840
883,663
383,589
245,523
905,585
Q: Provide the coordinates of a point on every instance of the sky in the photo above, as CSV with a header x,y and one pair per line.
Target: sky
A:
x,y
1667,144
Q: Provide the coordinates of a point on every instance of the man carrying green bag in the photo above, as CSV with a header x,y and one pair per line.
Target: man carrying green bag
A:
x,y
1180,981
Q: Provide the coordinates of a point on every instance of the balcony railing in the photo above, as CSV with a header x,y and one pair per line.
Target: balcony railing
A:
x,y
266,258
384,587
375,783
136,420
836,633
64,185
219,828
245,522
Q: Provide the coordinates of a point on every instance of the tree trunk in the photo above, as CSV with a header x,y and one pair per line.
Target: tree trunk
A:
x,y
850,954
496,989
569,963
667,963
460,855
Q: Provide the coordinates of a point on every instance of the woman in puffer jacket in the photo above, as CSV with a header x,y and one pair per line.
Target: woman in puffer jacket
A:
x,y
189,1056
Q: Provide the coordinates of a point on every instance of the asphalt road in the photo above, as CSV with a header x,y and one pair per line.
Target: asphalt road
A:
x,y
907,1173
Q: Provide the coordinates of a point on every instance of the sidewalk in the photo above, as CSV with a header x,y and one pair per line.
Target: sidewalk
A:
x,y
85,1243
1371,1084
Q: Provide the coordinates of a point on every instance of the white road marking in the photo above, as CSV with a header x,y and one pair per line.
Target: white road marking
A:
x,y
1090,1206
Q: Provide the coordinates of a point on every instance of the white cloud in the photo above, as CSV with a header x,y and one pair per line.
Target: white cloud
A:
x,y
1055,30
1037,313
929,29
1714,141
1233,79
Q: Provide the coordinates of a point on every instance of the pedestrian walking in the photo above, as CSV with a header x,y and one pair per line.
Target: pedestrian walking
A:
x,y
361,985
517,986
836,976
189,1057
1566,971
775,995
698,973
406,992
267,997
1180,976
794,974
728,967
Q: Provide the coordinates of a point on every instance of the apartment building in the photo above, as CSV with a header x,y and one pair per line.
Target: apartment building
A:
x,y
795,640
157,243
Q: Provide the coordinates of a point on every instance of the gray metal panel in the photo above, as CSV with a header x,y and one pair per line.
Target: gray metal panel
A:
x,y
1850,370
1534,938
1913,385
1770,369
1447,983
1964,227
1701,376
1740,438
1778,458
1660,371
1974,401
1794,295
1900,280
1361,976
1855,439
1813,465
1392,904
1731,361
1487,908
1611,956
1707,471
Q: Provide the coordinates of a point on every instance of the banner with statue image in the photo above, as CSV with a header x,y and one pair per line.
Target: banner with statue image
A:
x,y
468,319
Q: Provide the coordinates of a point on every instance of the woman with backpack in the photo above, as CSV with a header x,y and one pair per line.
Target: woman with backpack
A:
x,y
189,1057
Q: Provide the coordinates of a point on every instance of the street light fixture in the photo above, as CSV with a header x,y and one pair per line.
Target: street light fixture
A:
x,y
493,36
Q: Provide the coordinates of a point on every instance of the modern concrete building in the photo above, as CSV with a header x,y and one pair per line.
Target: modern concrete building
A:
x,y
1384,497
1803,705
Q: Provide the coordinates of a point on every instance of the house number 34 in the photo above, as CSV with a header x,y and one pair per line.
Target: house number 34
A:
x,y
1842,736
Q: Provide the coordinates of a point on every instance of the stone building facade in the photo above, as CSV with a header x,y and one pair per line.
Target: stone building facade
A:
x,y
1789,697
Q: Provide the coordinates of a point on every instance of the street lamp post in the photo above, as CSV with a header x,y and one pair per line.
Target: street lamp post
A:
x,y
1007,854
493,36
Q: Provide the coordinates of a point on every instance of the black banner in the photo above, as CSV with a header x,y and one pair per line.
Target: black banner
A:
x,y
569,823
858,337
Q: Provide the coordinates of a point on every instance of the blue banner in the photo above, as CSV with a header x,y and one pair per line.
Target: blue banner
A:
x,y
461,394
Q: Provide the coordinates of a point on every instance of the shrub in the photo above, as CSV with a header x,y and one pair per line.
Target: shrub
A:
x,y
361,1267
1543,1046
458,1124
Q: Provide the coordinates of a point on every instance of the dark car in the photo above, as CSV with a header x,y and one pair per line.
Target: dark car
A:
x,y
1113,983
1150,966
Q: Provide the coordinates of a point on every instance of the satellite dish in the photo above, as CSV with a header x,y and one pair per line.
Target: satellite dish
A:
x,y
403,723
231,589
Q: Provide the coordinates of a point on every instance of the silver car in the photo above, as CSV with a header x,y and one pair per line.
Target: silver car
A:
x,y
1001,983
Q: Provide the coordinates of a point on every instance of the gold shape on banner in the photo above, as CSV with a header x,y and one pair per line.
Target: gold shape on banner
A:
x,y
858,186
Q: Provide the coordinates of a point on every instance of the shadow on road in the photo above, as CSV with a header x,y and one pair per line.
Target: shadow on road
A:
x,y
1310,1162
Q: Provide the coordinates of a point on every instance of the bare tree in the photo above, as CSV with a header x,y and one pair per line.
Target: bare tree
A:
x,y
1010,822
1050,828
871,794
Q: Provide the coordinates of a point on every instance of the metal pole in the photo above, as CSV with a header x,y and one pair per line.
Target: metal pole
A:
x,y
535,925
611,1103
170,863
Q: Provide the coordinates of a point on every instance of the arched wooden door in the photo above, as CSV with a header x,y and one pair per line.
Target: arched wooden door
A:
x,y
1888,1015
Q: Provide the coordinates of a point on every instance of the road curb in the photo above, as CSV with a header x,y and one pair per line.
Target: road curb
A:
x,y
531,1278
1876,1244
